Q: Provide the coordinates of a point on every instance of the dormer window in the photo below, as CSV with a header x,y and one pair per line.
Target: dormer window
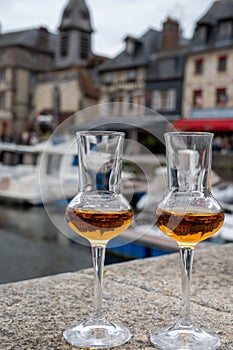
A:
x,y
130,47
224,29
200,35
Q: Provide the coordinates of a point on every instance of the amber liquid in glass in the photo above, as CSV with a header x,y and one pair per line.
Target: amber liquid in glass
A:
x,y
188,228
96,225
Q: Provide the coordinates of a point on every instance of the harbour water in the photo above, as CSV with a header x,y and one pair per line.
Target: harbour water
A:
x,y
32,246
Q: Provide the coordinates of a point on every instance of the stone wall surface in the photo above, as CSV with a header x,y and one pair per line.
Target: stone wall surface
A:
x,y
143,294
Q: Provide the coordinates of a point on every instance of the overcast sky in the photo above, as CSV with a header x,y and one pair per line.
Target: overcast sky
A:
x,y
111,19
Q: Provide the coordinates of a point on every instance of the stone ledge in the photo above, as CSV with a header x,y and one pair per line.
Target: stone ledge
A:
x,y
143,294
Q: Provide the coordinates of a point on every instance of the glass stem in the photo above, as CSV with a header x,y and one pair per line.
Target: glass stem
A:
x,y
186,255
98,256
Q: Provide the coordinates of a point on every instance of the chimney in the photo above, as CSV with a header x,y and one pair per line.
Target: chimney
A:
x,y
42,41
170,34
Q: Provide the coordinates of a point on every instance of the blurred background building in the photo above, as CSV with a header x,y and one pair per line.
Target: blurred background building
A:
x,y
46,75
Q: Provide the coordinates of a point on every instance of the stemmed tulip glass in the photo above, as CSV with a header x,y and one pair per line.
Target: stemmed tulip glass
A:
x,y
99,212
188,214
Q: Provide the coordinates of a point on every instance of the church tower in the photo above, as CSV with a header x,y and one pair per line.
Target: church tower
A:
x,y
74,40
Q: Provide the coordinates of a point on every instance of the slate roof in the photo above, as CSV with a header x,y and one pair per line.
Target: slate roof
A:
x,y
146,45
221,9
27,38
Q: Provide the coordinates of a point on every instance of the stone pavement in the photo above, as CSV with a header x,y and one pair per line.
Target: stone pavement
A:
x,y
143,294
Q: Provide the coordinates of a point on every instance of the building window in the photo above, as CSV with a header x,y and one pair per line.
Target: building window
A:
x,y
120,98
198,69
33,78
221,97
2,75
156,100
197,99
3,55
222,63
2,100
64,43
164,100
34,57
224,29
84,46
171,99
132,74
111,99
200,35
108,78
167,67
149,98
130,47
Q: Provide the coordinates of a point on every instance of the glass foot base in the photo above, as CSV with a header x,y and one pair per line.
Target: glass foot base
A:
x,y
185,338
97,335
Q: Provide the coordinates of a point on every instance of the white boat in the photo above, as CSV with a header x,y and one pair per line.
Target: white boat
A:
x,y
226,231
223,192
38,174
45,172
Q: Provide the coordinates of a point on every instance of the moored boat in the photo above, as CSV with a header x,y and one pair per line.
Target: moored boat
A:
x,y
38,174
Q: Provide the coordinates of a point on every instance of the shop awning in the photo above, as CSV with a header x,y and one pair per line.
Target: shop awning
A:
x,y
221,125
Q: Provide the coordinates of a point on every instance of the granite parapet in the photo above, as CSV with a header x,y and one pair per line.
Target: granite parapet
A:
x,y
142,294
